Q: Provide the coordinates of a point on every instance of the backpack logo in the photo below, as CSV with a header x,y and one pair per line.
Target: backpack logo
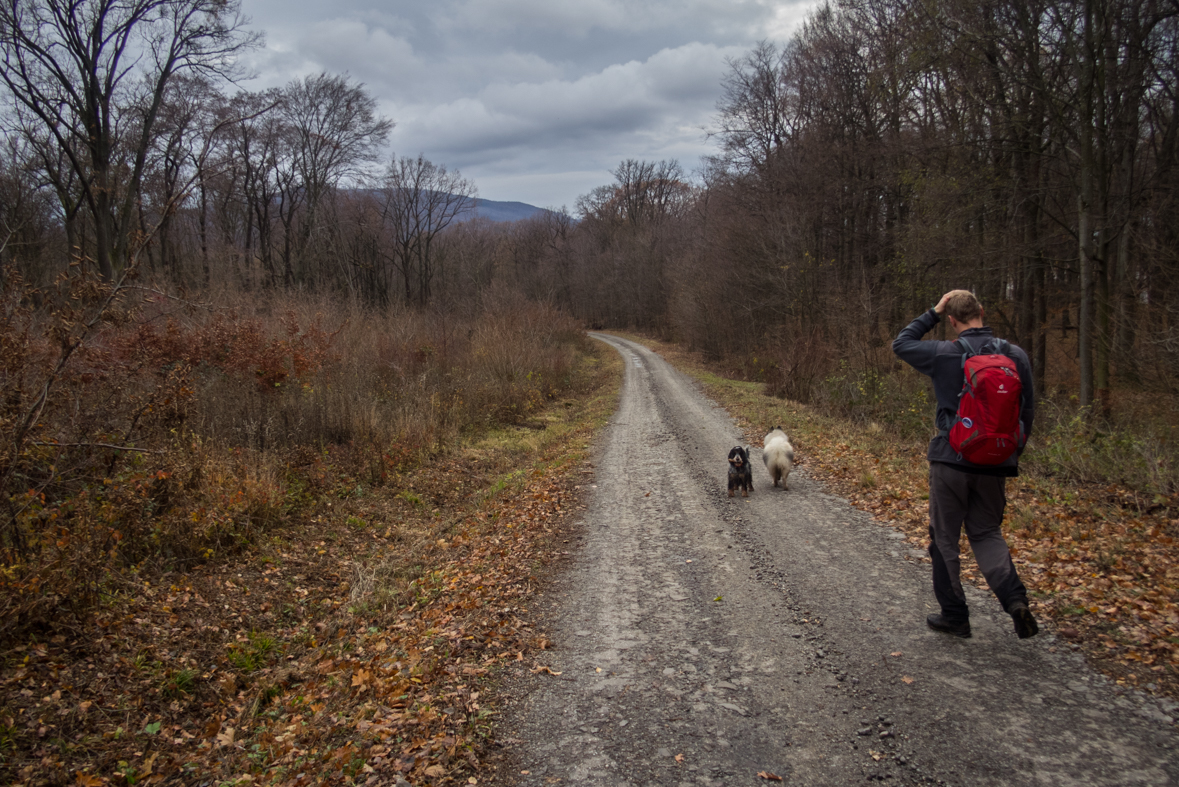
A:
x,y
987,429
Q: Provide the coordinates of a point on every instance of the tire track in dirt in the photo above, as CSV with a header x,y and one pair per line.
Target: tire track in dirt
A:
x,y
702,640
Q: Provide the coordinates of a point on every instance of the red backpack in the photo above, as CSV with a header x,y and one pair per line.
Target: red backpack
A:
x,y
987,429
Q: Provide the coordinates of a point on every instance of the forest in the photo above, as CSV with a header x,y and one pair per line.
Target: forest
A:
x,y
886,152
220,306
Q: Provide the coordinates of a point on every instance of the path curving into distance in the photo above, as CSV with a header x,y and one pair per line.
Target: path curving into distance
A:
x,y
815,664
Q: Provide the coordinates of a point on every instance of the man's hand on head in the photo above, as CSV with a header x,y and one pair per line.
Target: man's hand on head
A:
x,y
940,309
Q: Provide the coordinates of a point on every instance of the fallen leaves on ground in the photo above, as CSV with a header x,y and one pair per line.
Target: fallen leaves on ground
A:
x,y
1106,574
360,646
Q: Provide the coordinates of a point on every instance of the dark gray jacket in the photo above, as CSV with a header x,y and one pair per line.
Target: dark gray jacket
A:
x,y
941,361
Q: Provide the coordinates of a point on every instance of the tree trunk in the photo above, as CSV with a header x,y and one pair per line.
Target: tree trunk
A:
x,y
104,232
203,224
1128,368
1085,319
1103,327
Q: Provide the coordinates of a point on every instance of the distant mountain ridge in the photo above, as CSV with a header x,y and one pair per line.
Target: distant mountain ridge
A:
x,y
489,209
503,211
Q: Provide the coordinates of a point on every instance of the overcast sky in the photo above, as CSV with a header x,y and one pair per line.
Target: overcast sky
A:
x,y
534,100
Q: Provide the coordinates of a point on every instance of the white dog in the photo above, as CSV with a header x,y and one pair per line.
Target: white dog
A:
x,y
778,455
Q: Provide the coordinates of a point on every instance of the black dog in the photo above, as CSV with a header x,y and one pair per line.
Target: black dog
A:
x,y
740,474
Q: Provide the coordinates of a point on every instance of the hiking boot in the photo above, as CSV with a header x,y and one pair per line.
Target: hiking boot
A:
x,y
957,628
1025,624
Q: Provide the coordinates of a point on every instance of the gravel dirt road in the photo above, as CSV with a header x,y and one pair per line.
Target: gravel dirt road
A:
x,y
703,640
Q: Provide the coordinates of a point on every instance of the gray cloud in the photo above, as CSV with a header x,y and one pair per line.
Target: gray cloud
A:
x,y
534,100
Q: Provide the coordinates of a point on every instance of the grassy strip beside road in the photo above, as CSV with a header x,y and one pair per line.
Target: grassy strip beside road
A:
x,y
1101,563
356,644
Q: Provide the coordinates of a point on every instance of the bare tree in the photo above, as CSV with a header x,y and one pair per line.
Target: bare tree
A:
x,y
28,229
336,132
189,119
651,192
95,72
420,200
49,164
629,232
255,158
754,114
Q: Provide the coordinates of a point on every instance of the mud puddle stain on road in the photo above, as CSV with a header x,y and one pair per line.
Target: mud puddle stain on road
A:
x,y
707,640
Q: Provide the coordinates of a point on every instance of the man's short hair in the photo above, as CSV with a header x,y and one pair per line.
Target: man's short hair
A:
x,y
963,306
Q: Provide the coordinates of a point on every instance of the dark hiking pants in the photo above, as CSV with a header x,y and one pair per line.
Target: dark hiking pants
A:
x,y
957,498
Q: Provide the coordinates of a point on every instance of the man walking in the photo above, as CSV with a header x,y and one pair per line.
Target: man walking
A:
x,y
961,492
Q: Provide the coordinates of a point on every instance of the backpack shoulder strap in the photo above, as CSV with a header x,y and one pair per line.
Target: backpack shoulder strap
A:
x,y
966,350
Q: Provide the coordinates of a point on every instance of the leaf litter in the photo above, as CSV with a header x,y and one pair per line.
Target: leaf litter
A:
x,y
295,663
359,646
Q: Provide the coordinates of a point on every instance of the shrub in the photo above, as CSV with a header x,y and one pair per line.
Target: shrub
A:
x,y
1135,448
144,436
800,367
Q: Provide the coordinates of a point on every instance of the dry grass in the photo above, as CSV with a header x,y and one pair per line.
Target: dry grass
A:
x,y
402,377
357,637
173,435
